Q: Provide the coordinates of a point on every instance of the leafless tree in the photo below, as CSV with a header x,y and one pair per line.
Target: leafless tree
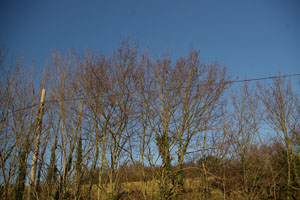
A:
x,y
279,102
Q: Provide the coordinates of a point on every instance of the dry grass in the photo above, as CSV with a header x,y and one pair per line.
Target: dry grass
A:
x,y
133,190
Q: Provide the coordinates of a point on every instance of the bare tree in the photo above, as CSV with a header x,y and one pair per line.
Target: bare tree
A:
x,y
184,100
109,84
245,122
278,99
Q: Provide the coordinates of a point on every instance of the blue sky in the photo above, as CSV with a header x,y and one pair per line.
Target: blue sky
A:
x,y
252,38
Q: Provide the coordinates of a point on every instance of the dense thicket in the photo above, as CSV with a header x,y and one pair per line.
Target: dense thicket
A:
x,y
131,126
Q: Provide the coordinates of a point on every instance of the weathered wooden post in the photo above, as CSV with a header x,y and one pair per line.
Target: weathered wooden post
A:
x,y
36,146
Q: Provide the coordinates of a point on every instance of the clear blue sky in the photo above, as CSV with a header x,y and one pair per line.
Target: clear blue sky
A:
x,y
253,38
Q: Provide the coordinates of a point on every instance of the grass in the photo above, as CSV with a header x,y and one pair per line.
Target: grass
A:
x,y
133,190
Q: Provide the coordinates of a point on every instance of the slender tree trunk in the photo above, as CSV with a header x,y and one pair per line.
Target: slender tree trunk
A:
x,y
288,171
103,151
93,168
78,168
51,174
22,169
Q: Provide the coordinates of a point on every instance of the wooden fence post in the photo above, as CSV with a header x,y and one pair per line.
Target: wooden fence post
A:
x,y
36,146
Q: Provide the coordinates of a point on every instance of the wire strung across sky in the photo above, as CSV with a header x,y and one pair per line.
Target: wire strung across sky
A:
x,y
199,85
263,78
